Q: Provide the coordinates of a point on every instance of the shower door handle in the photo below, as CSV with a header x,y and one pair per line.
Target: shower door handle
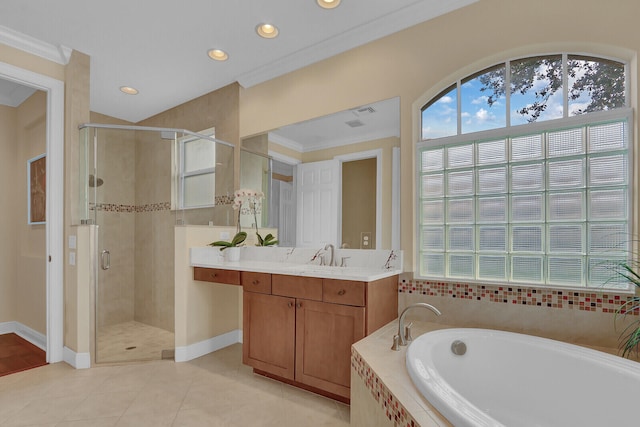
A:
x,y
105,258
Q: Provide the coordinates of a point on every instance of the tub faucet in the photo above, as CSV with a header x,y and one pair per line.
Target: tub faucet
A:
x,y
405,335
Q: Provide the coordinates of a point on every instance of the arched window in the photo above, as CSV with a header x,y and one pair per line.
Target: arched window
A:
x,y
530,184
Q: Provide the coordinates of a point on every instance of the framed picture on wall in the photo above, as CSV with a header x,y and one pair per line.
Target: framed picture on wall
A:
x,y
37,189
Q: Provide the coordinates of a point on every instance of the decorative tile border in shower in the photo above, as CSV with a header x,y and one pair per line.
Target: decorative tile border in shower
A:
x,y
393,409
150,207
224,200
541,297
113,207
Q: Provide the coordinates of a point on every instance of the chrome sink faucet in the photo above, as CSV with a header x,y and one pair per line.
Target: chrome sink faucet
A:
x,y
332,261
404,334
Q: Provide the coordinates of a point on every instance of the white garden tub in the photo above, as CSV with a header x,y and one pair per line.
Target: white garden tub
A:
x,y
509,379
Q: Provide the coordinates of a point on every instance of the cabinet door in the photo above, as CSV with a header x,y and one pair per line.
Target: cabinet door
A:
x,y
269,333
324,334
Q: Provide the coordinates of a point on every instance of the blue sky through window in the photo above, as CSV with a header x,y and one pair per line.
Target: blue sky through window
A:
x,y
440,117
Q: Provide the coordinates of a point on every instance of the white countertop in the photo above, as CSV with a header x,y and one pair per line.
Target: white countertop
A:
x,y
363,265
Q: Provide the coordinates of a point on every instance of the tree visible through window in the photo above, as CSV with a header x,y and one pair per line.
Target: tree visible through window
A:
x,y
540,88
531,204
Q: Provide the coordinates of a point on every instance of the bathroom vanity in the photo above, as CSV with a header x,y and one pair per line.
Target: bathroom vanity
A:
x,y
300,320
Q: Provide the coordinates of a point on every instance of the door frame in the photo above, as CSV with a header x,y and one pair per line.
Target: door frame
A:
x,y
55,200
363,155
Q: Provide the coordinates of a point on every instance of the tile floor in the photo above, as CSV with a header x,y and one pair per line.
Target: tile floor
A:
x,y
214,390
149,341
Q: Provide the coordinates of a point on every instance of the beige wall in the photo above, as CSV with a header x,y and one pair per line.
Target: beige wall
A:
x,y
203,310
427,57
77,308
154,236
8,212
359,202
30,287
31,62
416,64
23,246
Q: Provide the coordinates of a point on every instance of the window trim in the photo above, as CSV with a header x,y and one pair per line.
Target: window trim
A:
x,y
625,113
209,134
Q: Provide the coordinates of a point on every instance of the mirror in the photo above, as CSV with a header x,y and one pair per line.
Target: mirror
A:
x,y
332,179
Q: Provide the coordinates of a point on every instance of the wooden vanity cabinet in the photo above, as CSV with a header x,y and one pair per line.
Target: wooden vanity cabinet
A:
x,y
324,335
217,275
269,333
303,330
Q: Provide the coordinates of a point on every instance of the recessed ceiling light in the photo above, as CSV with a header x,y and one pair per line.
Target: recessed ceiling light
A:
x,y
218,55
328,4
267,31
128,90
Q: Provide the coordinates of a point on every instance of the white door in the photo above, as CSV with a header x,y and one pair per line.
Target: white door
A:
x,y
318,200
287,215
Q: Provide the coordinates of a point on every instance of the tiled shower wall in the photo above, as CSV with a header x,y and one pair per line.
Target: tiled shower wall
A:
x,y
116,225
136,226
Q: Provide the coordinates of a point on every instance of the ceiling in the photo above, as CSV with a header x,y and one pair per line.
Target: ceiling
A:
x,y
160,46
365,123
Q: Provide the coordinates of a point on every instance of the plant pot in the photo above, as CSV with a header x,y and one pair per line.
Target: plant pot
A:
x,y
232,254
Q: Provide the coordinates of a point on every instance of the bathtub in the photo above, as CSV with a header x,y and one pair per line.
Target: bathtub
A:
x,y
509,379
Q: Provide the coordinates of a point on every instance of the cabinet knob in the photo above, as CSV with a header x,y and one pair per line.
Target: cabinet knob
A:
x,y
214,275
290,304
298,305
255,282
342,292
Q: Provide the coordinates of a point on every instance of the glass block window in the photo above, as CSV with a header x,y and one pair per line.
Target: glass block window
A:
x,y
544,208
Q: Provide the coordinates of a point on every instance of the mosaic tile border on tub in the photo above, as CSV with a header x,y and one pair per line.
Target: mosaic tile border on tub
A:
x,y
393,409
605,302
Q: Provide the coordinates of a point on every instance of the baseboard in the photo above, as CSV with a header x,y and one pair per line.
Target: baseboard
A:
x,y
193,351
25,332
77,360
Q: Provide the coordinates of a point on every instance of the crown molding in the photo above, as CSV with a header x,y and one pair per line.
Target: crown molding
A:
x,y
286,142
411,15
300,148
59,54
371,136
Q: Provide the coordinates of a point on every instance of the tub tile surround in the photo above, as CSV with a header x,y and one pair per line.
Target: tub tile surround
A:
x,y
382,393
472,307
583,300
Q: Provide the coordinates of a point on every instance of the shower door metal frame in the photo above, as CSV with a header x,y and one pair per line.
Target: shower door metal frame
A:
x,y
102,260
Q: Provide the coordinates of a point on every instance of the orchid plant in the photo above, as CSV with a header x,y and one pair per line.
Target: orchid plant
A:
x,y
247,202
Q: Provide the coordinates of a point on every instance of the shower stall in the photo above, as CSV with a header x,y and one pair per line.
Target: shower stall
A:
x,y
136,184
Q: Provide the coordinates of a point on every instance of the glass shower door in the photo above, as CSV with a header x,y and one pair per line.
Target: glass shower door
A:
x,y
130,189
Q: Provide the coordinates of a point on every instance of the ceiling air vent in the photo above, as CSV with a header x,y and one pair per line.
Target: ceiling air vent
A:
x,y
354,123
365,110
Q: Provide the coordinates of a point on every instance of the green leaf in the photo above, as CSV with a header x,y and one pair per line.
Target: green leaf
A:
x,y
260,240
239,238
222,243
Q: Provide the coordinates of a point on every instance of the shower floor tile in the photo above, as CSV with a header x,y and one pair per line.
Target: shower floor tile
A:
x,y
132,341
